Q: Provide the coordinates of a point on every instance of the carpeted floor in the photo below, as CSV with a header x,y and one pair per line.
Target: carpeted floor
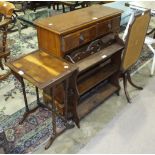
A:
x,y
35,131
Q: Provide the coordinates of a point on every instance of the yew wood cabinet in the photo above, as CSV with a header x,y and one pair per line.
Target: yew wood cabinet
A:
x,y
88,38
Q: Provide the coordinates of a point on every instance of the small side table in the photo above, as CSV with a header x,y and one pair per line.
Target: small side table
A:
x,y
45,71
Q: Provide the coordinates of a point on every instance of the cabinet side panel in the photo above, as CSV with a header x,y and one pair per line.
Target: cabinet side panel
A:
x,y
48,41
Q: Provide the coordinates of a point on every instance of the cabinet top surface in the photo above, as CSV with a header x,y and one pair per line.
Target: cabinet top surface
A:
x,y
73,20
40,68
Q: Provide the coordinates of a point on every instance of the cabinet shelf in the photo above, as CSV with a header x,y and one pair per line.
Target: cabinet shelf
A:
x,y
101,74
98,57
95,99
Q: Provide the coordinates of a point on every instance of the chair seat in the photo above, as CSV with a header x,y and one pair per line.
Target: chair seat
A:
x,y
149,40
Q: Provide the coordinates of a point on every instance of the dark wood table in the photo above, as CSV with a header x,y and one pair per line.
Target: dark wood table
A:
x,y
73,4
46,72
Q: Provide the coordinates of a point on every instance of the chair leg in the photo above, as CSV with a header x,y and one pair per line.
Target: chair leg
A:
x,y
4,37
130,81
63,8
153,63
125,88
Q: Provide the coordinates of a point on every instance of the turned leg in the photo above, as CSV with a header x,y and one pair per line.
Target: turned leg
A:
x,y
4,39
1,64
130,81
125,88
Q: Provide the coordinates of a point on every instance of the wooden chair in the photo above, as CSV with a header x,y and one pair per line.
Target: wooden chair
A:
x,y
133,46
149,42
6,10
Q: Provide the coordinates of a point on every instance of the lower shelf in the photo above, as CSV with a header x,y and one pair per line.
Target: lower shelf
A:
x,y
88,104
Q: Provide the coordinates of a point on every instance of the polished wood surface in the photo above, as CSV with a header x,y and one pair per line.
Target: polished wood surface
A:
x,y
40,68
135,40
70,21
63,33
93,26
98,57
47,72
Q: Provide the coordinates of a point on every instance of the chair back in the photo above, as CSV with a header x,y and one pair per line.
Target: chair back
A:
x,y
132,16
135,39
6,8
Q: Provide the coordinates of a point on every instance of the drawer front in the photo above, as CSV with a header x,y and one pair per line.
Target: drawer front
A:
x,y
116,24
70,41
87,35
78,38
104,27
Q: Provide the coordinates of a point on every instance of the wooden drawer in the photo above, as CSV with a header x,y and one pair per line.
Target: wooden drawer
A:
x,y
78,38
116,24
104,27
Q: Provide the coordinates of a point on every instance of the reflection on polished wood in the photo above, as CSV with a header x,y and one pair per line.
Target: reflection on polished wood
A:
x,y
65,32
40,68
45,71
67,22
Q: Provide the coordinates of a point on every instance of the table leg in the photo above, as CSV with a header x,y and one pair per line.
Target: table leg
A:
x,y
63,8
54,134
38,100
28,111
68,124
74,97
72,8
25,101
37,94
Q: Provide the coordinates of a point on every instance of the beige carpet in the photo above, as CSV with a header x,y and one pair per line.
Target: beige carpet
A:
x,y
132,130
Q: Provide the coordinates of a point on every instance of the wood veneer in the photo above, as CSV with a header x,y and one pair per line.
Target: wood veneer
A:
x,y
62,33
